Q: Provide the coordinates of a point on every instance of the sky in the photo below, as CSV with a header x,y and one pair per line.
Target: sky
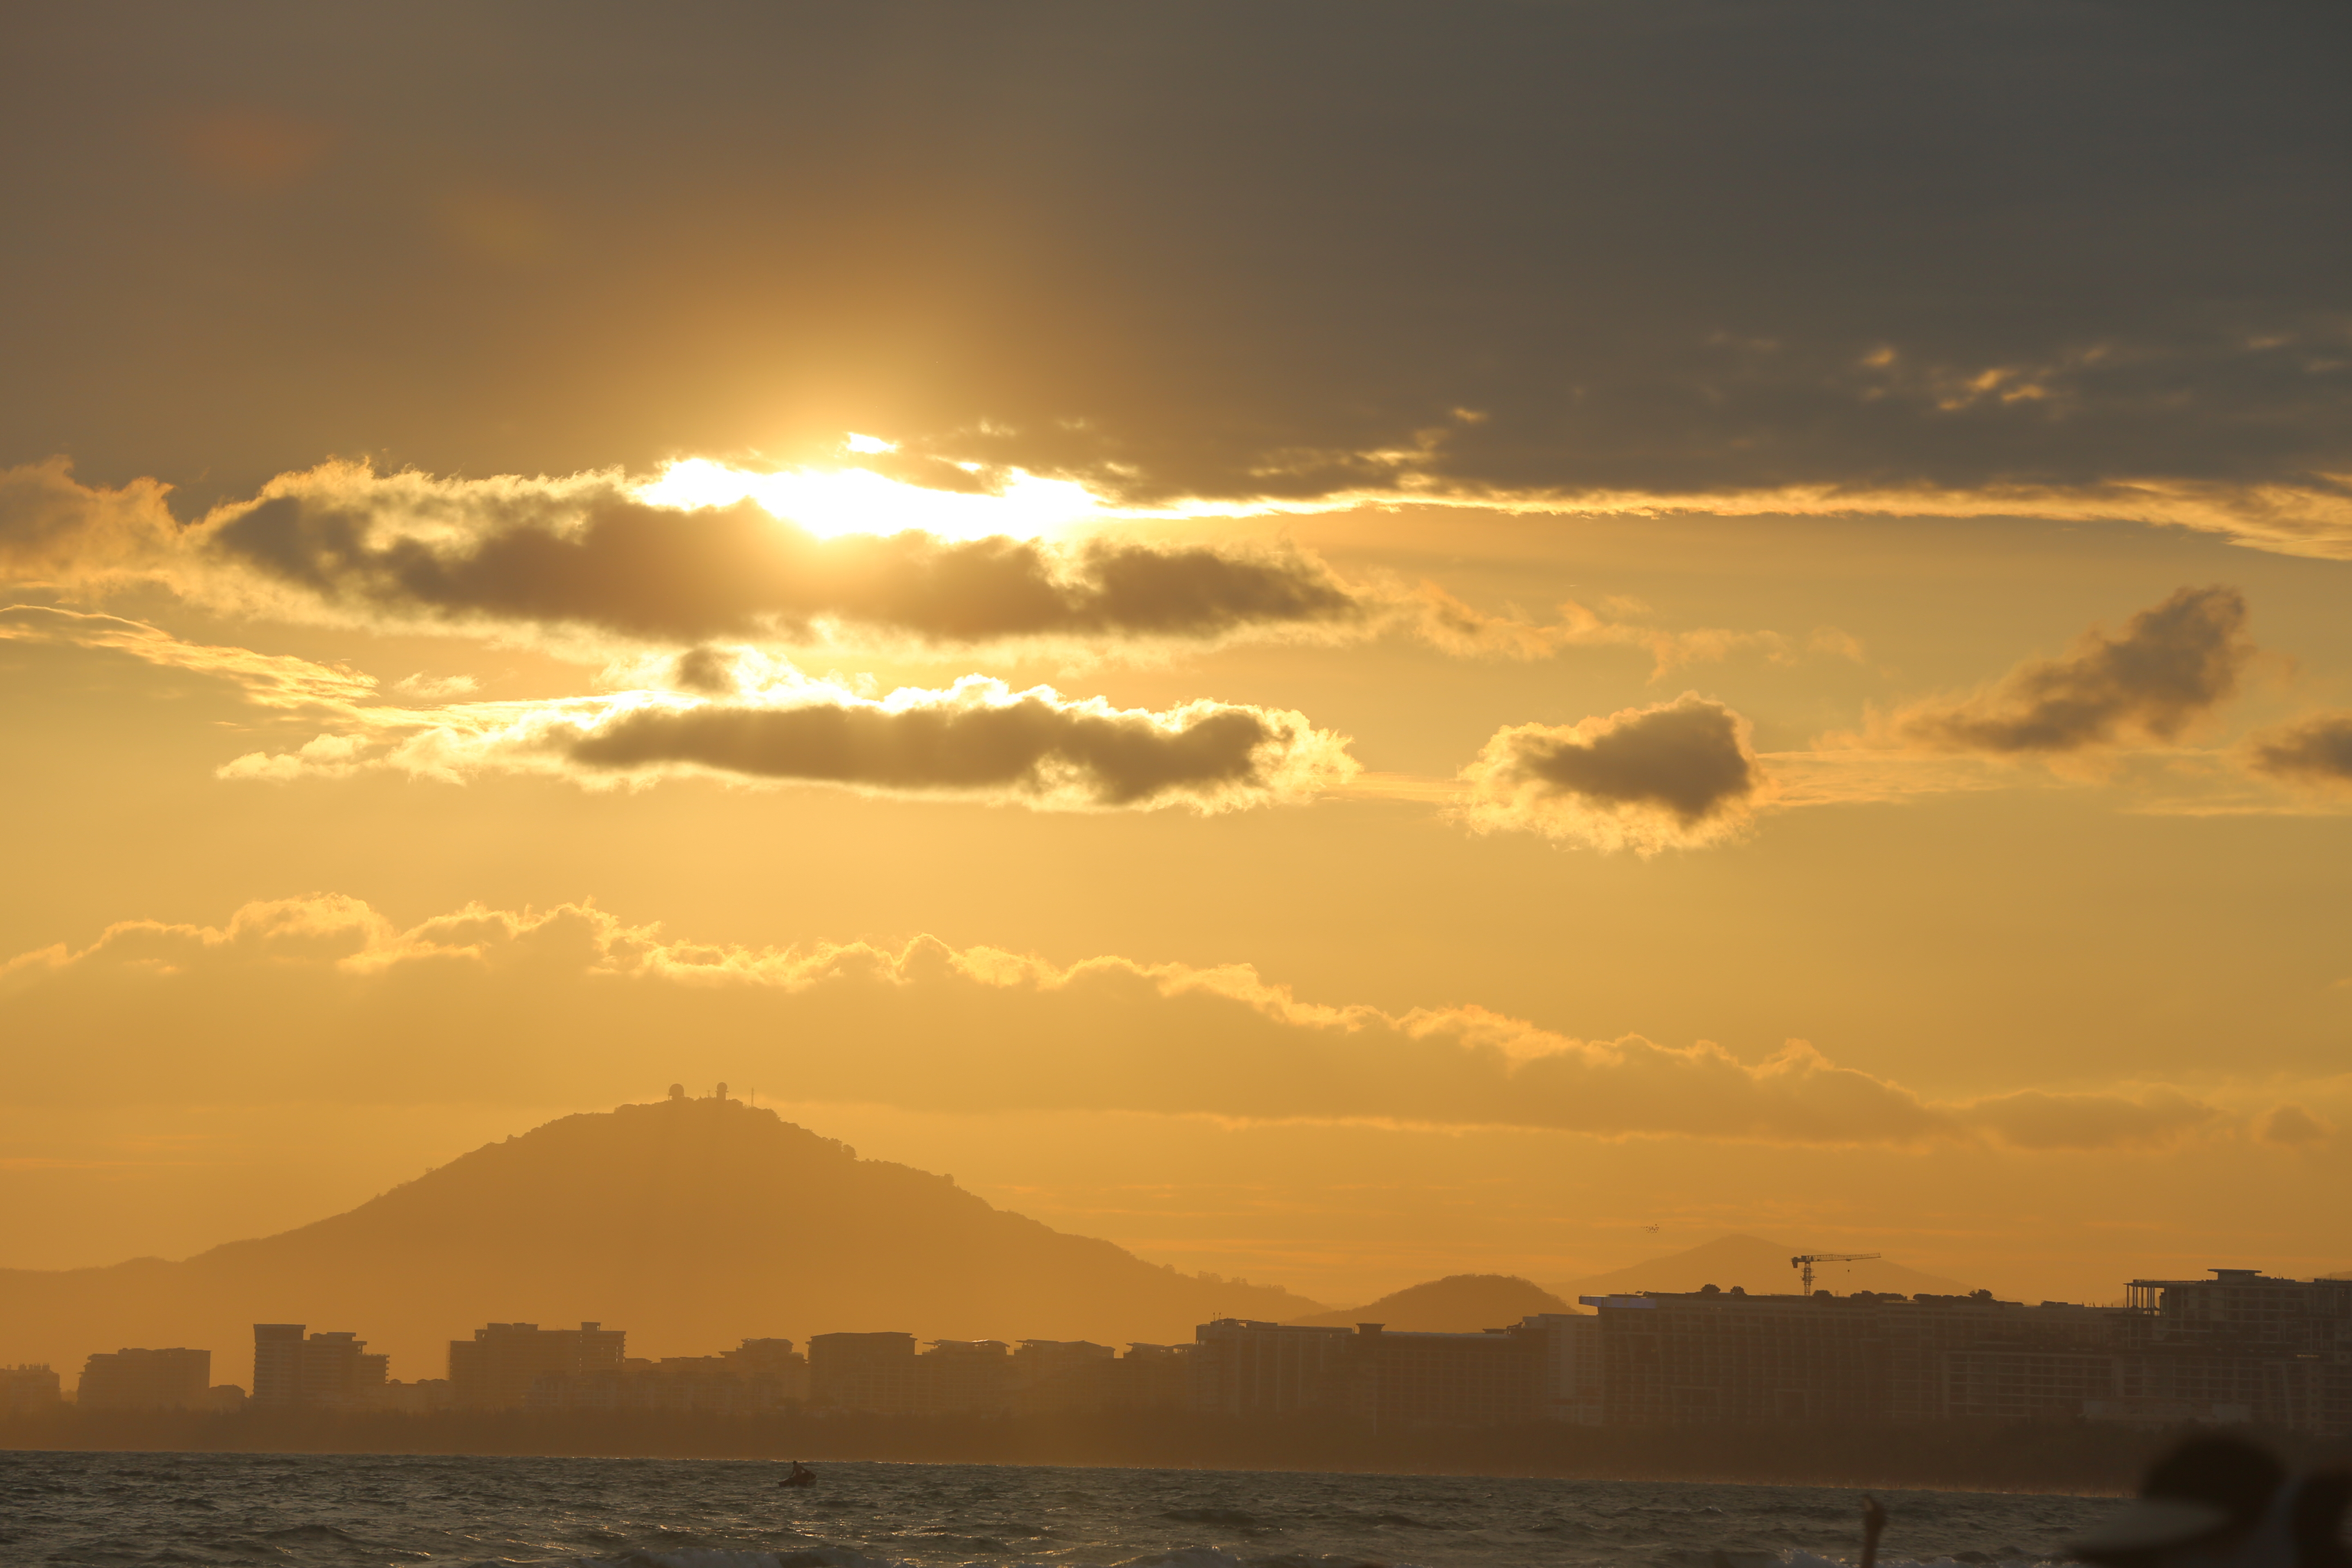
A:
x,y
1340,642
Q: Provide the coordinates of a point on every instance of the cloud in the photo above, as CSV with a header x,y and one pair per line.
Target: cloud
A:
x,y
1952,252
596,556
322,998
1447,624
2169,667
1679,775
978,740
2315,751
749,717
2293,1127
268,680
588,554
2032,1119
53,529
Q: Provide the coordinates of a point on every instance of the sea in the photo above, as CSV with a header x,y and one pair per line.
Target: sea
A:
x,y
358,1512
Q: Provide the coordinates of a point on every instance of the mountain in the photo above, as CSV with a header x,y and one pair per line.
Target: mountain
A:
x,y
1458,1304
689,1222
1761,1267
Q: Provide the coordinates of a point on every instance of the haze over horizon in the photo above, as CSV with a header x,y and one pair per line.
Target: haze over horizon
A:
x,y
1335,644
691,1223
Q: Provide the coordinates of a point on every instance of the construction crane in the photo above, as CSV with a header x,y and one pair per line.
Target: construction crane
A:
x,y
1803,1263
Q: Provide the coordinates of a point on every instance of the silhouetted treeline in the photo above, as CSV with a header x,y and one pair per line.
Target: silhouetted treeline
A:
x,y
2040,1457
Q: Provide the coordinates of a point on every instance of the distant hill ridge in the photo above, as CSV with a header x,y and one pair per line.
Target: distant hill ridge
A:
x,y
689,1222
1458,1304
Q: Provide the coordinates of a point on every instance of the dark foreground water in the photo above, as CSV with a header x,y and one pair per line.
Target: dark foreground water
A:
x,y
356,1511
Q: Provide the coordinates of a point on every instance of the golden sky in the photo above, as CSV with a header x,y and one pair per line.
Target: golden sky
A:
x,y
1340,643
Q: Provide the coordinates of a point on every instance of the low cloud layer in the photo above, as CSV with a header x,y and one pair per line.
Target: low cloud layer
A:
x,y
594,558
978,740
2169,668
587,554
324,998
2315,753
1680,775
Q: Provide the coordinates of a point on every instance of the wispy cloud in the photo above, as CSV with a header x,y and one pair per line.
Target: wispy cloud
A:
x,y
268,680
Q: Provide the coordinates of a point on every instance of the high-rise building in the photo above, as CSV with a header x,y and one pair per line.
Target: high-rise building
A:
x,y
964,1378
872,1372
337,1370
1570,1354
1404,1380
1061,1377
2239,1347
174,1379
1242,1366
495,1368
779,1373
1150,1377
28,1388
330,1368
277,1365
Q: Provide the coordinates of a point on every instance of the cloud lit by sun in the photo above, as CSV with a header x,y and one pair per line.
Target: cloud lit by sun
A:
x,y
836,501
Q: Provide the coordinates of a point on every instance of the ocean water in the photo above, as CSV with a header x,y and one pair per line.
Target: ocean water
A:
x,y
357,1511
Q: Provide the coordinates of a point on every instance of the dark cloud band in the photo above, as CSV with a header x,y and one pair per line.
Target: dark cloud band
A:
x,y
597,558
1031,746
976,740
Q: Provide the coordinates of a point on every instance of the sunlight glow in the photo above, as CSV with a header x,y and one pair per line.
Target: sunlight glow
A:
x,y
830,503
857,443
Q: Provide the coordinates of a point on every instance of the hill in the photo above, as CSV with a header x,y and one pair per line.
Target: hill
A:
x,y
689,1222
1759,1266
1458,1304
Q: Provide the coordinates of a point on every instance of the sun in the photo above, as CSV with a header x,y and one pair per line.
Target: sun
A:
x,y
830,502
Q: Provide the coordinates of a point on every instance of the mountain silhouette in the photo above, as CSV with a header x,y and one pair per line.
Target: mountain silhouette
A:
x,y
691,1223
1458,1304
1760,1267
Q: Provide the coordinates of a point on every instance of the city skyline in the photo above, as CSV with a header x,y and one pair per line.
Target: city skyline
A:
x,y
2239,1348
